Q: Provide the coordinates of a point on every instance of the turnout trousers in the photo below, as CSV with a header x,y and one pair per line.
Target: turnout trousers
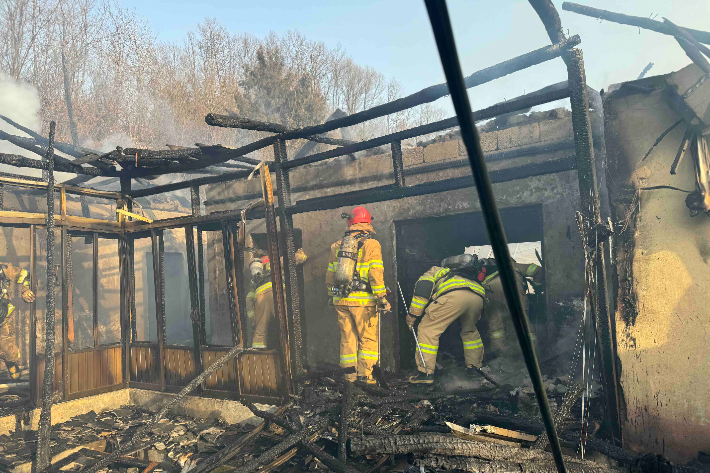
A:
x,y
495,313
439,315
358,338
9,353
263,318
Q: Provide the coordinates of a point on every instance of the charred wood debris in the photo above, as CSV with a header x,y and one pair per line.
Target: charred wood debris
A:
x,y
338,426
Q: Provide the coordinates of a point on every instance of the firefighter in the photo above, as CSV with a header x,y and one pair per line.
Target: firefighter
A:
x,y
442,295
9,352
495,308
355,280
260,299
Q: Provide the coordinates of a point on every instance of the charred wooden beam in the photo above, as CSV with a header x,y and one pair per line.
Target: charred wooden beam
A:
x,y
641,22
327,459
44,453
277,279
448,463
24,162
235,121
76,151
440,444
547,12
436,92
293,303
694,54
527,101
683,33
228,452
273,453
427,95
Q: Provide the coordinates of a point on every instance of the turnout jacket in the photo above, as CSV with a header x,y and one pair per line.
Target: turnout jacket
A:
x,y
435,283
370,268
528,271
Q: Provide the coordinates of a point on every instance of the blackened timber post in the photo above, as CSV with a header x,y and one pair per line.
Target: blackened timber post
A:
x,y
124,270
33,317
229,274
196,205
239,282
159,303
44,454
272,238
65,311
587,176
194,298
293,302
398,163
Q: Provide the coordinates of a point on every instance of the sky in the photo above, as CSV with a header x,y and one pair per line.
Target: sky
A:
x,y
394,36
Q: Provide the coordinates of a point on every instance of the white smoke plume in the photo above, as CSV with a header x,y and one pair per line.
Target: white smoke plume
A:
x,y
19,102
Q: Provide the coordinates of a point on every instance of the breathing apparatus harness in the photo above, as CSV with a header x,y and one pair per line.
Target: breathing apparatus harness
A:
x,y
347,278
467,266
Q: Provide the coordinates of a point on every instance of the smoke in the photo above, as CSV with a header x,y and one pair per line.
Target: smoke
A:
x,y
19,102
110,142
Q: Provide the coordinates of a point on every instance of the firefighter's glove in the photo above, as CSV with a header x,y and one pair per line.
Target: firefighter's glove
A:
x,y
384,305
301,256
411,320
28,296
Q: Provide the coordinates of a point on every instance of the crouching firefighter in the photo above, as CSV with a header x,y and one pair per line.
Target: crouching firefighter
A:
x,y
9,352
260,299
442,295
355,280
495,308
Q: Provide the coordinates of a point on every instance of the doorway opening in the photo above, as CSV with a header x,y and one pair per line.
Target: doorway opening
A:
x,y
423,243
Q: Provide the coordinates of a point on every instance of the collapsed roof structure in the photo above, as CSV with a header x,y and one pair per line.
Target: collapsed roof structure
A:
x,y
276,376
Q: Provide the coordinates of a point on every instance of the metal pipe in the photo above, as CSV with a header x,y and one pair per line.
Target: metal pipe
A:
x,y
441,25
44,454
194,298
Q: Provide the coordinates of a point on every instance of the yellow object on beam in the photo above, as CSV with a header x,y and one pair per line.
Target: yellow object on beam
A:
x,y
132,215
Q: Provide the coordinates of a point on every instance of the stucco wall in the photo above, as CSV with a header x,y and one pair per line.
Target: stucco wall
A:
x,y
557,193
662,321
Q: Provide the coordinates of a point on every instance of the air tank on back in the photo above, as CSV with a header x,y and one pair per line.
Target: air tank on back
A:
x,y
347,261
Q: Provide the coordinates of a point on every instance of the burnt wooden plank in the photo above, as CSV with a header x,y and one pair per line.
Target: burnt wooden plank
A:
x,y
74,373
118,357
97,368
104,368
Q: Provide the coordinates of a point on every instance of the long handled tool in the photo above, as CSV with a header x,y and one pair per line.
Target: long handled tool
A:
x,y
416,340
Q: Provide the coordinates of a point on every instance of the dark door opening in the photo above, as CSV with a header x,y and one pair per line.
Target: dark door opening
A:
x,y
423,243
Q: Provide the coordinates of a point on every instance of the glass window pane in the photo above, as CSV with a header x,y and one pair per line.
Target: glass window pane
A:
x,y
145,292
83,294
178,326
109,293
15,247
41,300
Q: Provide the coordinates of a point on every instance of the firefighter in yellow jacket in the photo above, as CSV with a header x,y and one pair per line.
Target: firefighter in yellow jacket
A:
x,y
9,352
260,300
495,308
355,279
442,295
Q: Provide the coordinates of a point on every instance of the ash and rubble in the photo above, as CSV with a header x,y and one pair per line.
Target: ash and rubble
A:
x,y
339,426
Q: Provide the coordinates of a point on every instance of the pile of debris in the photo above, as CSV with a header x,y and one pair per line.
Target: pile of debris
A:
x,y
336,425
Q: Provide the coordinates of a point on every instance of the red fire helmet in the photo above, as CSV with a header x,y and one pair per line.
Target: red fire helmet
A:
x,y
359,215
265,260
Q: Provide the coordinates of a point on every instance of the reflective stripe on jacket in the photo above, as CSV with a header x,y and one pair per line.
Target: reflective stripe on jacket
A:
x,y
443,282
